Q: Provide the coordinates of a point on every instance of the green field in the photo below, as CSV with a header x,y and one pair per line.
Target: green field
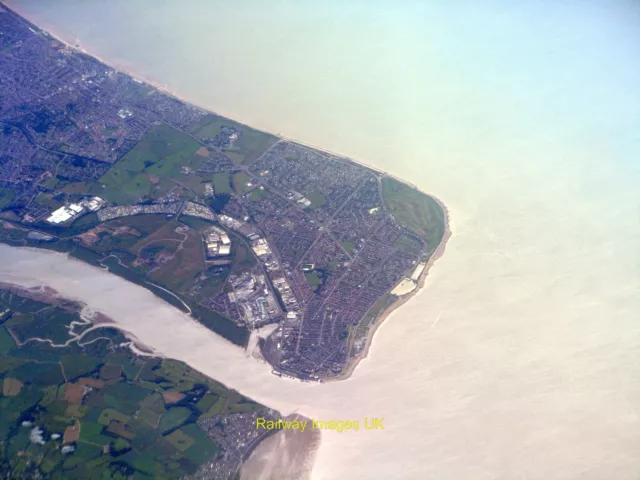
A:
x,y
317,199
6,342
173,418
239,181
257,194
197,224
178,273
222,183
81,188
152,242
124,428
415,211
77,365
349,246
156,165
49,200
6,195
124,187
193,183
246,149
408,244
162,153
314,279
243,257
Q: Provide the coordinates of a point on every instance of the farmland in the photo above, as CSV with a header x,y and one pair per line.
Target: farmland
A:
x,y
154,161
245,150
67,412
161,154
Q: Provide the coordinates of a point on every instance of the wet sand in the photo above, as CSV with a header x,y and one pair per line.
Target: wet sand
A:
x,y
518,358
75,45
285,455
400,301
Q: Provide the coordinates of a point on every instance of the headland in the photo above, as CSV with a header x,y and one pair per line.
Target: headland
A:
x,y
240,227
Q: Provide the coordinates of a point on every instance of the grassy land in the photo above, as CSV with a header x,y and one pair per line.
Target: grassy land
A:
x,y
48,324
317,199
349,246
361,331
167,257
194,183
121,244
197,224
314,279
81,188
239,180
243,257
123,187
125,429
257,194
408,244
48,200
414,210
222,183
178,273
246,149
161,153
156,164
51,183
6,195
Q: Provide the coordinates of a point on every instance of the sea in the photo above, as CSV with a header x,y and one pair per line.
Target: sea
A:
x,y
520,357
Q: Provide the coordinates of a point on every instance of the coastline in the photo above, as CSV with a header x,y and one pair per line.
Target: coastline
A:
x,y
400,301
115,65
119,67
301,448
437,253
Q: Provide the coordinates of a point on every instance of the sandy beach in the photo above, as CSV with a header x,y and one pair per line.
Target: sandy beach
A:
x,y
518,356
439,251
76,45
402,300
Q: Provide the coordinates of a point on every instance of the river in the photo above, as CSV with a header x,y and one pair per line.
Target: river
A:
x,y
519,358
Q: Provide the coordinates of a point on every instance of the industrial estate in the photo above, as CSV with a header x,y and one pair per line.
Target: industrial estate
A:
x,y
239,227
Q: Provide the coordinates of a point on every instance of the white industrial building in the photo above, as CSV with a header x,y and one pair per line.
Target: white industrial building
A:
x,y
66,213
74,210
218,242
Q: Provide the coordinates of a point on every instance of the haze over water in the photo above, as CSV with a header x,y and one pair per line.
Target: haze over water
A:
x,y
520,357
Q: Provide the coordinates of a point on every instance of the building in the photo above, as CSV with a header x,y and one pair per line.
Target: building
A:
x,y
65,214
93,204
217,241
70,212
260,247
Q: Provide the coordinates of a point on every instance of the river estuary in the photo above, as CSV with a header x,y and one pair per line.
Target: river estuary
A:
x,y
519,358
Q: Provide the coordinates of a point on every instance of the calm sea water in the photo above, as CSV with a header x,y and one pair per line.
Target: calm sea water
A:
x,y
520,357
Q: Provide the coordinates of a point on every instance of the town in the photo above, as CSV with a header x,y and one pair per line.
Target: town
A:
x,y
236,227
250,228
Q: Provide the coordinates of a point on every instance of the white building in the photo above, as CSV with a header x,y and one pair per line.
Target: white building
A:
x,y
66,213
